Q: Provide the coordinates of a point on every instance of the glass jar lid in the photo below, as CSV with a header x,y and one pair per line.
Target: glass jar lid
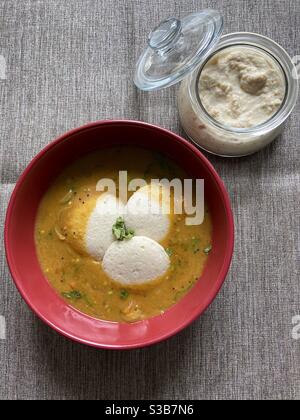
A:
x,y
176,47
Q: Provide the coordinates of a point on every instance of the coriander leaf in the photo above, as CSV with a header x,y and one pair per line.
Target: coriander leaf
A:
x,y
73,295
195,245
124,294
169,251
120,231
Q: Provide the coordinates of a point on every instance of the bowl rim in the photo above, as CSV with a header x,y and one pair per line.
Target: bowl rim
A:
x,y
175,329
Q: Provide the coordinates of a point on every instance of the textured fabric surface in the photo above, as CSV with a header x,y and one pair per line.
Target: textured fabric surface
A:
x,y
71,62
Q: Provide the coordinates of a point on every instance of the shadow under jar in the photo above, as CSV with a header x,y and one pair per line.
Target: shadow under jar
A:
x,y
183,50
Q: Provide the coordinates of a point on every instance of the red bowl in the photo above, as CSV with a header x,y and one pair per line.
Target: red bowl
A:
x,y
21,252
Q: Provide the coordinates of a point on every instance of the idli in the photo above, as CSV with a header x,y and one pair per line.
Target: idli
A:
x,y
135,262
99,235
145,214
72,222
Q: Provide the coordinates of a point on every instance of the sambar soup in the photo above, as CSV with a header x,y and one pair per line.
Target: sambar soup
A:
x,y
111,259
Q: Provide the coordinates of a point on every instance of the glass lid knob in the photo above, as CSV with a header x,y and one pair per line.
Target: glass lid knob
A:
x,y
176,47
165,34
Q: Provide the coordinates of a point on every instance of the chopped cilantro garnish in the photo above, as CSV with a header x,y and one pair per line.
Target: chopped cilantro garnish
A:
x,y
124,294
73,295
120,230
169,251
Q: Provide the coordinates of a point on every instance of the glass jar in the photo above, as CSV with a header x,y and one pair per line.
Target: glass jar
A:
x,y
178,51
219,139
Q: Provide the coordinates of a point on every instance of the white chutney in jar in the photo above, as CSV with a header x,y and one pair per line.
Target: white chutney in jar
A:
x,y
237,102
237,90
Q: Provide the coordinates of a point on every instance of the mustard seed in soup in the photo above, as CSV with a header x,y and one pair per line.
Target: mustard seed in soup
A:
x,y
99,277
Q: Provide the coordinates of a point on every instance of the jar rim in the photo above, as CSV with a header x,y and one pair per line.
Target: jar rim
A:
x,y
281,57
